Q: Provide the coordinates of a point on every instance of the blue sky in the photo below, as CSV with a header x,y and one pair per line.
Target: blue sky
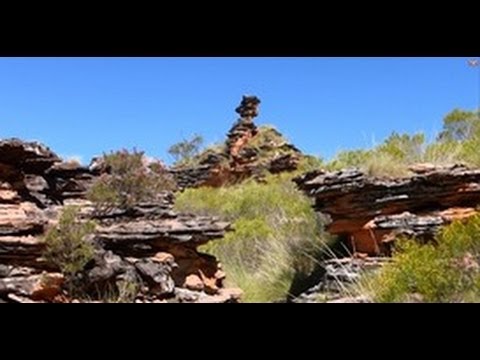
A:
x,y
85,106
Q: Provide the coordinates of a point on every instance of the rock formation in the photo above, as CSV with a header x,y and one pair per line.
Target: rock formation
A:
x,y
249,151
149,245
338,275
369,213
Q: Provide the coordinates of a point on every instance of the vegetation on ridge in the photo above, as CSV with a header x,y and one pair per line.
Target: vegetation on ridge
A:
x,y
129,179
266,144
457,143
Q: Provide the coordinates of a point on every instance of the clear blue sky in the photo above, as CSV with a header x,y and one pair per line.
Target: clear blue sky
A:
x,y
85,106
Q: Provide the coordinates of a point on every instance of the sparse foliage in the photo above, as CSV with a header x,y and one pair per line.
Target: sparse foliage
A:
x,y
186,149
128,180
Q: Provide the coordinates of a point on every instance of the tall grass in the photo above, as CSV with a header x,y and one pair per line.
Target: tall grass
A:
x,y
397,153
277,234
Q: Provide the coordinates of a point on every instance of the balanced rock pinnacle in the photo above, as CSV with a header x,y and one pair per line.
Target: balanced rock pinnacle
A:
x,y
248,108
250,151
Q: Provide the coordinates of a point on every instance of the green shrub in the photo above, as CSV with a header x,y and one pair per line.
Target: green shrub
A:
x,y
447,271
277,234
129,180
66,245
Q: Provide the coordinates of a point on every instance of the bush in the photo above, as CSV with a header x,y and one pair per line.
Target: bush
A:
x,y
447,271
66,246
403,148
129,179
277,234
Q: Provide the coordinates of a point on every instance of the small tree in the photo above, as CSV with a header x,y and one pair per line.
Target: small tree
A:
x,y
66,244
186,149
460,125
128,180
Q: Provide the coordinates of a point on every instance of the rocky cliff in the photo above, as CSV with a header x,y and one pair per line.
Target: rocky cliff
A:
x,y
248,152
369,213
149,245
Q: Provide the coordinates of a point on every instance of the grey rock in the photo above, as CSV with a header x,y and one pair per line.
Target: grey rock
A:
x,y
107,267
157,276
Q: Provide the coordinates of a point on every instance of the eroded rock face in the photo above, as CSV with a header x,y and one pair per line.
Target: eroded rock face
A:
x,y
369,212
69,180
27,157
248,152
148,248
162,245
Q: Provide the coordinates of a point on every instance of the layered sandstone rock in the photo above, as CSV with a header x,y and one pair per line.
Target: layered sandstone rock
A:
x,y
149,245
248,152
161,245
370,212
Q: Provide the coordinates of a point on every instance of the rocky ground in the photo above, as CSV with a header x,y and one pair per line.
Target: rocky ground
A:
x,y
338,276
